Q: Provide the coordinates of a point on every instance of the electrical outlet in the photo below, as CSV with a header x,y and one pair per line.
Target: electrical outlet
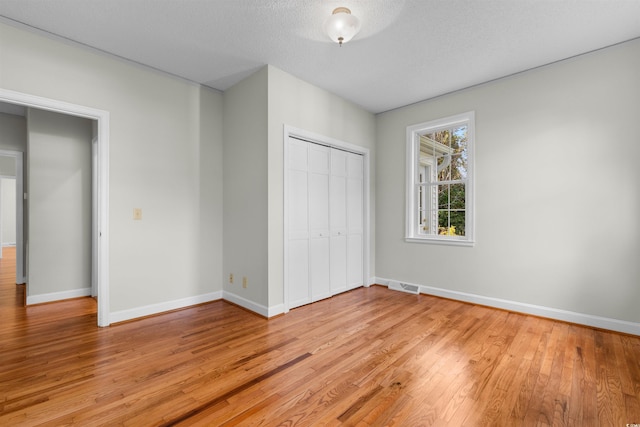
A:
x,y
231,278
244,282
137,213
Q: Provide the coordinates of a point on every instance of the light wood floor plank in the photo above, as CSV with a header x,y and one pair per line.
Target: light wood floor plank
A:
x,y
368,357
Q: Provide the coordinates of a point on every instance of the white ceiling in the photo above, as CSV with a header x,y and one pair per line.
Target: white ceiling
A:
x,y
407,50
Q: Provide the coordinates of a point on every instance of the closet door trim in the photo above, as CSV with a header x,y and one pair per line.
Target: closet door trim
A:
x,y
291,132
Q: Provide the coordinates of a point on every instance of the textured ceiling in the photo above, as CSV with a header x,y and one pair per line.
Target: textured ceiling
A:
x,y
407,50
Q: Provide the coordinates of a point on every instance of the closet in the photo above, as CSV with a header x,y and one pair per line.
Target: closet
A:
x,y
325,215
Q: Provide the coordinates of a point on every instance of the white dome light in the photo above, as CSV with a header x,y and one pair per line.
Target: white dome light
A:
x,y
341,26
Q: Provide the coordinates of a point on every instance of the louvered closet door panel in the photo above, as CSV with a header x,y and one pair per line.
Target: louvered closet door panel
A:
x,y
299,292
338,262
319,158
319,268
298,272
325,222
338,221
298,205
354,194
338,190
318,205
355,220
319,170
318,190
354,261
338,162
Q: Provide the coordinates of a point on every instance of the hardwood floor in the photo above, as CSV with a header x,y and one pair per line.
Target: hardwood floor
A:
x,y
368,357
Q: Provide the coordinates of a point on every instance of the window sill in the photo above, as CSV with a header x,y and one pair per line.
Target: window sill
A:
x,y
440,241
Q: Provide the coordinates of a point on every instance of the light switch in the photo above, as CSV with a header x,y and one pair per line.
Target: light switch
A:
x,y
137,213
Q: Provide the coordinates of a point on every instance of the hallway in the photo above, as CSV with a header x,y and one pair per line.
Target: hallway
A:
x,y
35,317
11,295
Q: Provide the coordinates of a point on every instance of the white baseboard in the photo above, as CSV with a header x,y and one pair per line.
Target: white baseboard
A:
x,y
276,310
147,310
58,296
252,306
536,310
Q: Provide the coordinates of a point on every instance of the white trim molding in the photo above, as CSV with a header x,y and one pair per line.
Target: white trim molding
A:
x,y
102,135
148,310
535,310
164,307
58,296
252,306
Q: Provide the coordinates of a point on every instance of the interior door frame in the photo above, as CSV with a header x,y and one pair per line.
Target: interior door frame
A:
x,y
101,227
315,138
19,159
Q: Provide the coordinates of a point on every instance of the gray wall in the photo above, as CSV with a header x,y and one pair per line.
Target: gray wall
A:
x,y
245,188
13,132
296,103
165,157
557,199
7,165
209,181
256,111
8,210
556,189
59,189
12,137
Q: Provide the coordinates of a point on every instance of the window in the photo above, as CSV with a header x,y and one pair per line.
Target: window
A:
x,y
440,181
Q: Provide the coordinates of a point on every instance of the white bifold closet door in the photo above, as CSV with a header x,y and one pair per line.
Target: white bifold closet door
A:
x,y
325,218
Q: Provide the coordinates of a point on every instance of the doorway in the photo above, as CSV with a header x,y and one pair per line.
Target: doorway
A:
x,y
59,220
100,245
11,206
8,215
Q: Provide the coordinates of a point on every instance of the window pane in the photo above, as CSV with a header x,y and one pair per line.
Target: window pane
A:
x,y
457,196
443,222
457,225
444,167
459,139
451,223
451,209
458,167
457,222
443,196
443,137
424,174
425,225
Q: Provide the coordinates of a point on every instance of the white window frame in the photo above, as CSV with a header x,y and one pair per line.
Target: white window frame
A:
x,y
414,132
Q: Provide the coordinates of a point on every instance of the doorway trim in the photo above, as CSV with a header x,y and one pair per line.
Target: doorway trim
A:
x,y
102,226
315,138
19,158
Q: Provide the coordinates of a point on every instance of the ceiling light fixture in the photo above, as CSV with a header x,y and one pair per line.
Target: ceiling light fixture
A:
x,y
341,26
